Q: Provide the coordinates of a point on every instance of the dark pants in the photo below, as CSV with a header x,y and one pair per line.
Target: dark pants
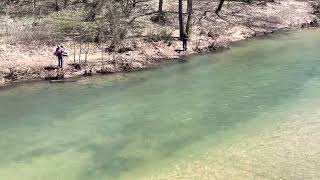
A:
x,y
184,44
60,61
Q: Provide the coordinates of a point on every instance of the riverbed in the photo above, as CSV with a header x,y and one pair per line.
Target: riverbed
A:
x,y
251,112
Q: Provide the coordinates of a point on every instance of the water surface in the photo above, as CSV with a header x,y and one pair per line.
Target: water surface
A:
x,y
248,113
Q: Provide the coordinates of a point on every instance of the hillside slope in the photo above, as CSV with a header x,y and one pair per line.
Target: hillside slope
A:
x,y
147,43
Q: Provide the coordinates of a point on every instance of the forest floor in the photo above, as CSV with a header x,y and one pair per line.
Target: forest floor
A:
x,y
237,21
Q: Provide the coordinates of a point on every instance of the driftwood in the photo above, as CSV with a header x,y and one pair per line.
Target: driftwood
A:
x,y
63,80
50,68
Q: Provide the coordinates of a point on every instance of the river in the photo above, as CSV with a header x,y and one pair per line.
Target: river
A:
x,y
252,112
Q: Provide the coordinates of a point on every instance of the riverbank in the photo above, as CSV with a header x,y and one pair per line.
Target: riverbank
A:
x,y
251,112
237,21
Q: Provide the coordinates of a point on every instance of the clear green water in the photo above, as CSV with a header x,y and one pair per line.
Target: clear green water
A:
x,y
157,123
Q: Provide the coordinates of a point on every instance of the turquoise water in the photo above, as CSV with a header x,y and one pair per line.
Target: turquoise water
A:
x,y
152,124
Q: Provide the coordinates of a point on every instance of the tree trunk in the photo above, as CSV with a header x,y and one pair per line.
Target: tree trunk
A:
x,y
102,52
181,27
134,2
34,7
74,50
56,5
87,48
80,52
189,20
34,11
160,9
219,7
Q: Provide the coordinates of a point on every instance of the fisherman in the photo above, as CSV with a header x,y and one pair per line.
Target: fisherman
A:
x,y
184,40
60,53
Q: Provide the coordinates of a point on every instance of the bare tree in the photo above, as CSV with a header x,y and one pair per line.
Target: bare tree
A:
x,y
74,49
219,6
86,51
134,2
189,20
181,26
56,5
80,52
160,9
34,5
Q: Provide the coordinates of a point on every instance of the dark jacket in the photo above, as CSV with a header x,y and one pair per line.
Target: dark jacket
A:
x,y
60,52
184,37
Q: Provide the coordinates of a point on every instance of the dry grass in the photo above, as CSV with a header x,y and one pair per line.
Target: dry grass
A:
x,y
26,32
237,21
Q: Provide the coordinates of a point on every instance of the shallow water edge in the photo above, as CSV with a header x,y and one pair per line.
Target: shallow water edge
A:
x,y
163,62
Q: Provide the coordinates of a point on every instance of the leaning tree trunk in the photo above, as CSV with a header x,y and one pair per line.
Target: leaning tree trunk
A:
x,y
189,20
219,6
181,18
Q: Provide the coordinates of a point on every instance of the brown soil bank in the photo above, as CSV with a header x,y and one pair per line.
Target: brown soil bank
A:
x,y
237,21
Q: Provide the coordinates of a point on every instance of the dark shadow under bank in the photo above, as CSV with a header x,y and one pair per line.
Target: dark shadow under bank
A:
x,y
163,62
